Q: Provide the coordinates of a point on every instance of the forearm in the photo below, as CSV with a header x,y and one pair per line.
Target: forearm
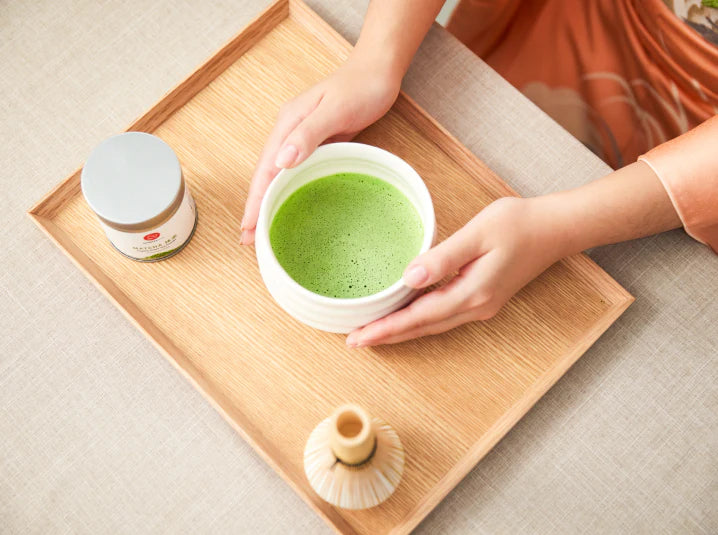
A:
x,y
393,31
626,204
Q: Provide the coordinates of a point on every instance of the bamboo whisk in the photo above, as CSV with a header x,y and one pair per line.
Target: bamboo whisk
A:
x,y
353,461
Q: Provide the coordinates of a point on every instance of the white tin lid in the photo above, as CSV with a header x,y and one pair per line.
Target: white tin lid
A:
x,y
132,178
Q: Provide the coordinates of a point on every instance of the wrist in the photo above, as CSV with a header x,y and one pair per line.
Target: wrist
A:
x,y
625,204
377,64
555,231
574,220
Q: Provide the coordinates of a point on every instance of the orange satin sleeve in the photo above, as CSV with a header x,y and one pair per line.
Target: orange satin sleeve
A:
x,y
688,168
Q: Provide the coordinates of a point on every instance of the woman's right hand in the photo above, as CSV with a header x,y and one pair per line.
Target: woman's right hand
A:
x,y
357,94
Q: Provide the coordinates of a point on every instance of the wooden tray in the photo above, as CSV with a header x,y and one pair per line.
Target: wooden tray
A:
x,y
450,397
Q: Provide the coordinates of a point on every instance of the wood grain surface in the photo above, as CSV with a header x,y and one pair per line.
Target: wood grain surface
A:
x,y
450,397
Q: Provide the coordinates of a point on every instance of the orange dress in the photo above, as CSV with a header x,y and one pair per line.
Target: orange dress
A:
x,y
623,76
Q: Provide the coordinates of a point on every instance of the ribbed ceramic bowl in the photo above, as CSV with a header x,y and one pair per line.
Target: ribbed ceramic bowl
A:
x,y
328,313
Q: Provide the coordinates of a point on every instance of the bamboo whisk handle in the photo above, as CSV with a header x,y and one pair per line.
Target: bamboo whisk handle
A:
x,y
351,435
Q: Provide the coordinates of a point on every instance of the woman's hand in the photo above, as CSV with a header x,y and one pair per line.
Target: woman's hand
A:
x,y
352,98
512,241
506,245
336,109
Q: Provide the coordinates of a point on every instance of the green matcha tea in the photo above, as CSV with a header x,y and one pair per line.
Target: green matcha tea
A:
x,y
346,235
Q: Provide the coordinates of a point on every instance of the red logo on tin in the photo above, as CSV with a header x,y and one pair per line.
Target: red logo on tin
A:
x,y
152,236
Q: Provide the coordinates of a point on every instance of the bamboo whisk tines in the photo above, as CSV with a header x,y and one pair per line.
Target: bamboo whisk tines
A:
x,y
353,461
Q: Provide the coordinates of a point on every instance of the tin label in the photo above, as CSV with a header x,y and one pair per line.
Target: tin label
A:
x,y
159,242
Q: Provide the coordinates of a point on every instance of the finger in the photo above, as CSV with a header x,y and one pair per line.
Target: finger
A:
x,y
265,171
324,122
481,299
428,309
426,330
247,237
493,282
449,256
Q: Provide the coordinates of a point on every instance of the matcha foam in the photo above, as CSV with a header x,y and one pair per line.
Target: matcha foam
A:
x,y
346,235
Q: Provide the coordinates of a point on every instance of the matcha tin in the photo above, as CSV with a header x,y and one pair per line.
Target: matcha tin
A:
x,y
134,184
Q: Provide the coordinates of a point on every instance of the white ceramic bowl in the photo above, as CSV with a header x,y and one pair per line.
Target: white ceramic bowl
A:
x,y
328,313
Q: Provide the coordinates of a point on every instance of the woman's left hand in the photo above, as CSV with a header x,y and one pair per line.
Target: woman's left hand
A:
x,y
512,241
505,246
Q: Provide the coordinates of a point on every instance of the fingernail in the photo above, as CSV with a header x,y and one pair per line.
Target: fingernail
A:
x,y
286,156
243,224
243,240
352,340
415,276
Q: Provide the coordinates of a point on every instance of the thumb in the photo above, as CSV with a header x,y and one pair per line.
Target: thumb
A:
x,y
448,257
319,125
